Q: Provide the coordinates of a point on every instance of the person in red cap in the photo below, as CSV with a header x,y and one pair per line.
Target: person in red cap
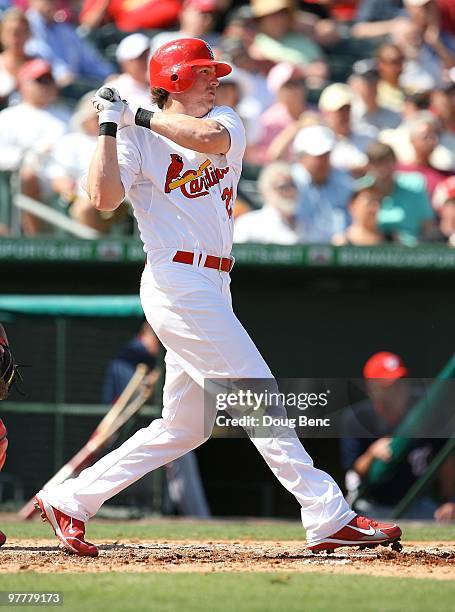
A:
x,y
368,430
29,130
180,168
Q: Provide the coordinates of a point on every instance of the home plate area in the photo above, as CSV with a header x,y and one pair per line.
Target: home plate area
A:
x,y
418,559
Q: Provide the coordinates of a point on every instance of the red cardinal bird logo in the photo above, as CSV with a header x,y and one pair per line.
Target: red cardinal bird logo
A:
x,y
173,172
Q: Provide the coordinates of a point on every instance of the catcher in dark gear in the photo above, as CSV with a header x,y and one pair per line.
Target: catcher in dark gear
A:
x,y
8,373
8,369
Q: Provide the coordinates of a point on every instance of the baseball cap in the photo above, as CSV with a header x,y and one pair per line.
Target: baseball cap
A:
x,y
203,6
366,68
279,75
334,97
443,192
385,365
34,69
261,8
132,47
314,140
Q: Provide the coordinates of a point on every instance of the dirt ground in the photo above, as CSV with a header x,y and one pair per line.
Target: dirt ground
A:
x,y
417,559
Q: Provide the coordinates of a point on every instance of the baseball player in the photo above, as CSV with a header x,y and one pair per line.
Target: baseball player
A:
x,y
179,168
8,373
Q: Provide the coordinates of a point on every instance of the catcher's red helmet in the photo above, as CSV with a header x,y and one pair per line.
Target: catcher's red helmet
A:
x,y
171,66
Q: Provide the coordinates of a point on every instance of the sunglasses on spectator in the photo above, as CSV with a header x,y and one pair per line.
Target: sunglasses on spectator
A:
x,y
391,60
284,186
45,79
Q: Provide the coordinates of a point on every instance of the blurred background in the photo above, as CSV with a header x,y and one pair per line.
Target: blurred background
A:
x,y
344,229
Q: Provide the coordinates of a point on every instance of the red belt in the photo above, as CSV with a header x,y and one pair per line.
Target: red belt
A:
x,y
223,264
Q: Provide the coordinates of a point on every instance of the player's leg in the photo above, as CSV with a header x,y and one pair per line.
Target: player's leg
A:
x,y
68,506
183,427
209,342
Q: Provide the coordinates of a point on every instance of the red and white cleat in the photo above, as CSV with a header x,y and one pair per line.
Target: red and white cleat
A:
x,y
69,531
2,538
362,532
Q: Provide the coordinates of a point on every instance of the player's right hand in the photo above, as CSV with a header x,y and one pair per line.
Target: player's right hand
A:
x,y
129,114
380,449
109,105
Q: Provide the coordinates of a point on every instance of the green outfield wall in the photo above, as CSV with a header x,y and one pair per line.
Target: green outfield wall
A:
x,y
312,310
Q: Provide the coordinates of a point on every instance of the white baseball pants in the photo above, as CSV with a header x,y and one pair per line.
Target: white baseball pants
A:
x,y
189,308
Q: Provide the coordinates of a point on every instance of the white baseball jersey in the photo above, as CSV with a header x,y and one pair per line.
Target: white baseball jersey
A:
x,y
182,199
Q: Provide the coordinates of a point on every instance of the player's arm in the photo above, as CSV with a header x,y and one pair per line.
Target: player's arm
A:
x,y
202,135
104,184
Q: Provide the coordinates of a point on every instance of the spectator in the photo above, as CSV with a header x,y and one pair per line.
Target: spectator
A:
x,y
14,32
443,106
183,478
285,81
250,74
442,158
365,109
276,221
132,55
69,162
390,62
129,16
423,67
376,19
364,208
228,92
444,204
278,41
436,20
424,136
279,147
240,26
57,42
349,151
197,20
405,208
368,430
28,131
323,191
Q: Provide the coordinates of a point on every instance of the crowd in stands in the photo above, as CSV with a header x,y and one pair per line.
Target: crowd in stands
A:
x,y
348,106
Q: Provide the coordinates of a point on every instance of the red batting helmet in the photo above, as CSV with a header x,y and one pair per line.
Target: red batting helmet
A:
x,y
171,66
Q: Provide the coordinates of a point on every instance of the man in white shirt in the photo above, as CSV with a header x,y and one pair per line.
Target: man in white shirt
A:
x,y
323,191
132,55
349,152
276,221
365,108
28,131
180,168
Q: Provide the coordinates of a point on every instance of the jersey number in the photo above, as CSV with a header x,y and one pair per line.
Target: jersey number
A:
x,y
227,197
